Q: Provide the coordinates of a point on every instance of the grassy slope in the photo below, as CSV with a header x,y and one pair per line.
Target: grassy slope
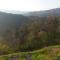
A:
x,y
47,53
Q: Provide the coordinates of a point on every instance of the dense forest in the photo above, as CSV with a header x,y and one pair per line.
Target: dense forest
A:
x,y
36,34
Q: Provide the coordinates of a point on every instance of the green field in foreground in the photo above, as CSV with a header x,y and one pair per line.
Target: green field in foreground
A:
x,y
47,53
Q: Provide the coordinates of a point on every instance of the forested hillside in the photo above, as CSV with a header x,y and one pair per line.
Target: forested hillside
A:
x,y
25,34
35,34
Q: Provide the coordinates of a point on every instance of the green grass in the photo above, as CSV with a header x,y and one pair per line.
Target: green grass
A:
x,y
47,53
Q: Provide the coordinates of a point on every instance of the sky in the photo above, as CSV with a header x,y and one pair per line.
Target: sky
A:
x,y
29,5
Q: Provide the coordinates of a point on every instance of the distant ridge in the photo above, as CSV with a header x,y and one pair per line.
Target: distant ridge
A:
x,y
9,21
55,12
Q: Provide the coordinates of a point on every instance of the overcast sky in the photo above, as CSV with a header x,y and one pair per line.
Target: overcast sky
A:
x,y
29,5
